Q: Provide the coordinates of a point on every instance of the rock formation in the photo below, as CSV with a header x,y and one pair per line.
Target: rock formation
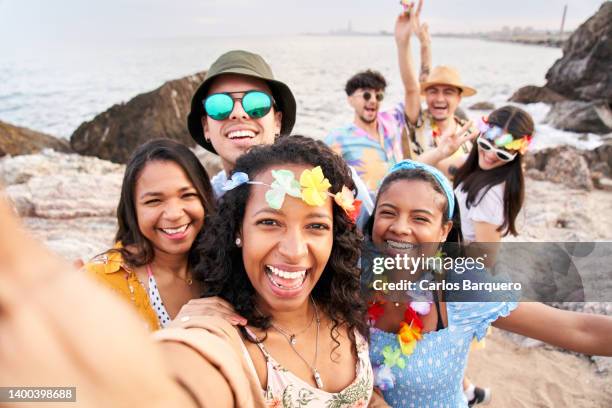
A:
x,y
576,168
15,140
115,133
580,83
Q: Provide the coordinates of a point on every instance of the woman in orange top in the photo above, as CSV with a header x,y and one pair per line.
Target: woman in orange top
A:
x,y
165,196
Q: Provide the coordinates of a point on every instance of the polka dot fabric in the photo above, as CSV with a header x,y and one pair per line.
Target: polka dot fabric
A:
x,y
156,301
433,374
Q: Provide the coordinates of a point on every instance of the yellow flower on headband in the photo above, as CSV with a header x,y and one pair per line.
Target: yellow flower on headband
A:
x,y
314,186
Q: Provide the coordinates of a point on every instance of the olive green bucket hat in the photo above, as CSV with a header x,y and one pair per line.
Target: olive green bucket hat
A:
x,y
243,63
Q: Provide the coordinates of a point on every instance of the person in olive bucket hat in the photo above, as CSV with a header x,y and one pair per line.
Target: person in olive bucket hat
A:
x,y
239,105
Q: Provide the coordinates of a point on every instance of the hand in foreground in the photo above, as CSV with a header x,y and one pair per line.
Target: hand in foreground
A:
x,y
211,306
59,328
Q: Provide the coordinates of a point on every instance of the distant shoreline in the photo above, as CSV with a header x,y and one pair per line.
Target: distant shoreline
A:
x,y
543,39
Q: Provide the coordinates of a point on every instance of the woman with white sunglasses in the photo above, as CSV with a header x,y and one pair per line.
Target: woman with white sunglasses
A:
x,y
490,187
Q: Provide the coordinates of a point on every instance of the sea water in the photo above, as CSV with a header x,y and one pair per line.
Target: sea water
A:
x,y
55,87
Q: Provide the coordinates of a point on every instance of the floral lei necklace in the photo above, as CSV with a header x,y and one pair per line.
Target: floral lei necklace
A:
x,y
409,333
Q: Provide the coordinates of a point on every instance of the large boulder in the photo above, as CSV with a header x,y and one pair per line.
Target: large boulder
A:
x,y
562,164
584,72
579,116
15,140
534,94
580,83
114,134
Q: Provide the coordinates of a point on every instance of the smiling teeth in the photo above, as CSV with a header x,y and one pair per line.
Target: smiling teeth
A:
x,y
285,274
241,133
171,231
400,245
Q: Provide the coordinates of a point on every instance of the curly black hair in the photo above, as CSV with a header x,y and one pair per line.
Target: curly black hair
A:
x,y
366,79
221,268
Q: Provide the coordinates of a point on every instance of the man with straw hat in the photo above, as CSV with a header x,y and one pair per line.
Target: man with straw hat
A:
x,y
436,136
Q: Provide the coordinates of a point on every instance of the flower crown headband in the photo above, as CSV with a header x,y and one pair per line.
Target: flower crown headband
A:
x,y
313,189
496,134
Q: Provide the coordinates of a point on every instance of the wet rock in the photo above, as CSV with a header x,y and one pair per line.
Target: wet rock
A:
x,y
15,140
114,134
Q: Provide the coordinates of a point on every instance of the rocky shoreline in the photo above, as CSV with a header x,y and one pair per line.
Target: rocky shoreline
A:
x,y
579,85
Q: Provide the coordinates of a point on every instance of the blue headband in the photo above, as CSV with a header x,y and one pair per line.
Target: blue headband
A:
x,y
437,174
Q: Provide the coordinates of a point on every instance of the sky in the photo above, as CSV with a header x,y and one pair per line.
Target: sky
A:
x,y
62,20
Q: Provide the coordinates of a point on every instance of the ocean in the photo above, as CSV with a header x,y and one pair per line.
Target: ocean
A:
x,y
54,88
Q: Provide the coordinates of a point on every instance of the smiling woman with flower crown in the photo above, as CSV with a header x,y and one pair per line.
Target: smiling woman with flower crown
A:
x,y
283,250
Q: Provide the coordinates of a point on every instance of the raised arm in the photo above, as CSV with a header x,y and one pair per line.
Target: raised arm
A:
x,y
425,41
405,27
581,332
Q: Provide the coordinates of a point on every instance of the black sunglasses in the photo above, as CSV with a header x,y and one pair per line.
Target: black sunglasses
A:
x,y
379,96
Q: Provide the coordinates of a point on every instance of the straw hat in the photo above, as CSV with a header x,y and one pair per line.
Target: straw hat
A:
x,y
247,64
443,75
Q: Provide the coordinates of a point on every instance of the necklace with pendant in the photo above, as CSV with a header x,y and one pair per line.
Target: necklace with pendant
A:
x,y
292,337
291,340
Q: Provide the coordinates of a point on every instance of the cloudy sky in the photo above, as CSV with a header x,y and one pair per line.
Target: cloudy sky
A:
x,y
34,20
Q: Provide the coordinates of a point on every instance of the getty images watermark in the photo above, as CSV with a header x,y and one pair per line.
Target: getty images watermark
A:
x,y
448,274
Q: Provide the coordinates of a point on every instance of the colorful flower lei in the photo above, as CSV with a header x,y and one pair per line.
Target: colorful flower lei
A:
x,y
410,332
313,189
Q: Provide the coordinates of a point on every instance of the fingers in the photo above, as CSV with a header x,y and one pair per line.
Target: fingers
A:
x,y
463,129
212,306
419,7
467,132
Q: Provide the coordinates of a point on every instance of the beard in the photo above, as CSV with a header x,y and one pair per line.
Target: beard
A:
x,y
367,120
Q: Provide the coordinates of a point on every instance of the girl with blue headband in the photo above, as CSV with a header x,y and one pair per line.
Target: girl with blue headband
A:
x,y
419,344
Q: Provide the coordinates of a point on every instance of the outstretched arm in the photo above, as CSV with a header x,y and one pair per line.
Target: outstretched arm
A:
x,y
405,27
60,328
581,332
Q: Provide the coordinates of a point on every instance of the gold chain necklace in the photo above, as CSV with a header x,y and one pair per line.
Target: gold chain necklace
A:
x,y
291,340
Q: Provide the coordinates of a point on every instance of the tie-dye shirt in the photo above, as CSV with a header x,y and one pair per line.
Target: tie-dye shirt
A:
x,y
370,156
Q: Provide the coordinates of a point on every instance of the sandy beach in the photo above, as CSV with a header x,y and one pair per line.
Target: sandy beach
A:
x,y
528,377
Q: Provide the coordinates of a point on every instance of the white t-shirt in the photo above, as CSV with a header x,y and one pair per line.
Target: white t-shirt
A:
x,y
488,208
